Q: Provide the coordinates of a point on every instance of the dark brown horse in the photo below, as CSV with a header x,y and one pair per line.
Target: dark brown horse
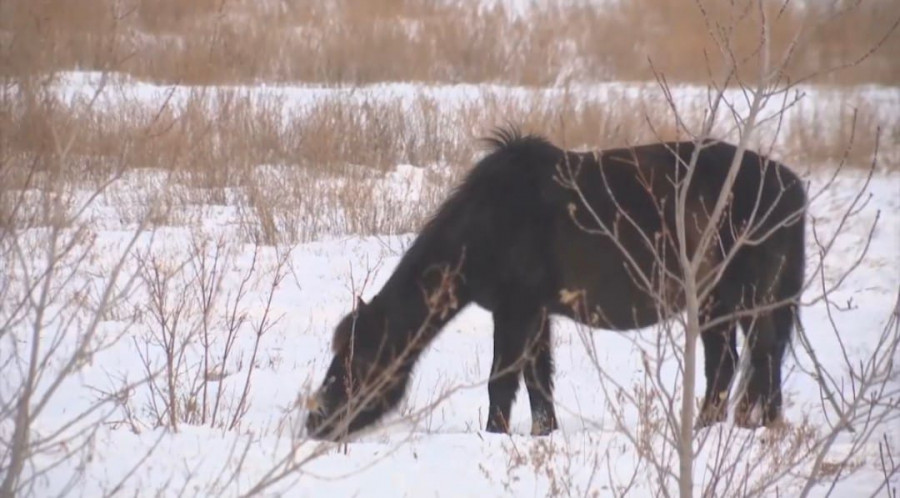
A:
x,y
536,230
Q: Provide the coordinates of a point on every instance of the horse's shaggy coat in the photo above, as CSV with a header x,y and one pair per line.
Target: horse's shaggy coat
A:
x,y
536,230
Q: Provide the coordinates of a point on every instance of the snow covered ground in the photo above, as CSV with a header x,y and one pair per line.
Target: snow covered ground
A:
x,y
444,453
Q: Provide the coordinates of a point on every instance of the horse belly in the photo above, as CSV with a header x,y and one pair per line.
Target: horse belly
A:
x,y
599,287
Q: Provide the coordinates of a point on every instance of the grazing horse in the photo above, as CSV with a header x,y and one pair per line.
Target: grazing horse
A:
x,y
535,230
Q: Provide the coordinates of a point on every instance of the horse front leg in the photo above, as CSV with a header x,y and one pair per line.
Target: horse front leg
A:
x,y
511,336
538,376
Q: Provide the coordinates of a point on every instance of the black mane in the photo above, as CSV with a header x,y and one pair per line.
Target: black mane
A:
x,y
510,137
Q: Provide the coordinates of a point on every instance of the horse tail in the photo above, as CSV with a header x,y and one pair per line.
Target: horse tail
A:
x,y
794,275
791,273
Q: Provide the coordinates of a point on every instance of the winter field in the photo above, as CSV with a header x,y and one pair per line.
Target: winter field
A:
x,y
205,315
193,194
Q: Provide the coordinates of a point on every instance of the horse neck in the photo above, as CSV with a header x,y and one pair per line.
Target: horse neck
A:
x,y
421,297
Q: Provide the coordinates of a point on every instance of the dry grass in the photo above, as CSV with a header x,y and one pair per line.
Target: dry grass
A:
x,y
815,38
365,41
297,173
214,138
850,131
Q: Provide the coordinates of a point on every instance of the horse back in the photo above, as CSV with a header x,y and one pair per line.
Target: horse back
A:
x,y
616,241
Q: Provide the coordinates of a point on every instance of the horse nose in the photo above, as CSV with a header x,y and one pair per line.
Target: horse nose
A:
x,y
315,418
314,423
314,403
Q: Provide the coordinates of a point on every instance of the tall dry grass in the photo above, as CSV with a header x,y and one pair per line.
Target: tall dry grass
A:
x,y
365,41
214,141
844,42
301,174
851,131
297,173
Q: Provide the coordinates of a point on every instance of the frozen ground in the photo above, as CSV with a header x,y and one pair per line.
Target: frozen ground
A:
x,y
444,453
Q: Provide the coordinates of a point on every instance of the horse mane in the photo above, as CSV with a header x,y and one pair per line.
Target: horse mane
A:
x,y
503,145
510,137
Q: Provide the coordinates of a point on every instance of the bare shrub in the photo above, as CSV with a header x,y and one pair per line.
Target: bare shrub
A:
x,y
55,317
198,334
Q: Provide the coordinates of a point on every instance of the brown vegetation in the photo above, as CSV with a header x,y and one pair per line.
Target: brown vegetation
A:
x,y
364,41
210,139
312,170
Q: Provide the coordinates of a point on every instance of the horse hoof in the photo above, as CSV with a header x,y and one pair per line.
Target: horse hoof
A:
x,y
710,416
703,422
748,417
544,427
497,426
777,424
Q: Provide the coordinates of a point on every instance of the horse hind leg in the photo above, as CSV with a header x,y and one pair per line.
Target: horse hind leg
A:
x,y
720,357
778,278
538,376
768,333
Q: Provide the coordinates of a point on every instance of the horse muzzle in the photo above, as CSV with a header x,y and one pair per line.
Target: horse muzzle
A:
x,y
322,424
